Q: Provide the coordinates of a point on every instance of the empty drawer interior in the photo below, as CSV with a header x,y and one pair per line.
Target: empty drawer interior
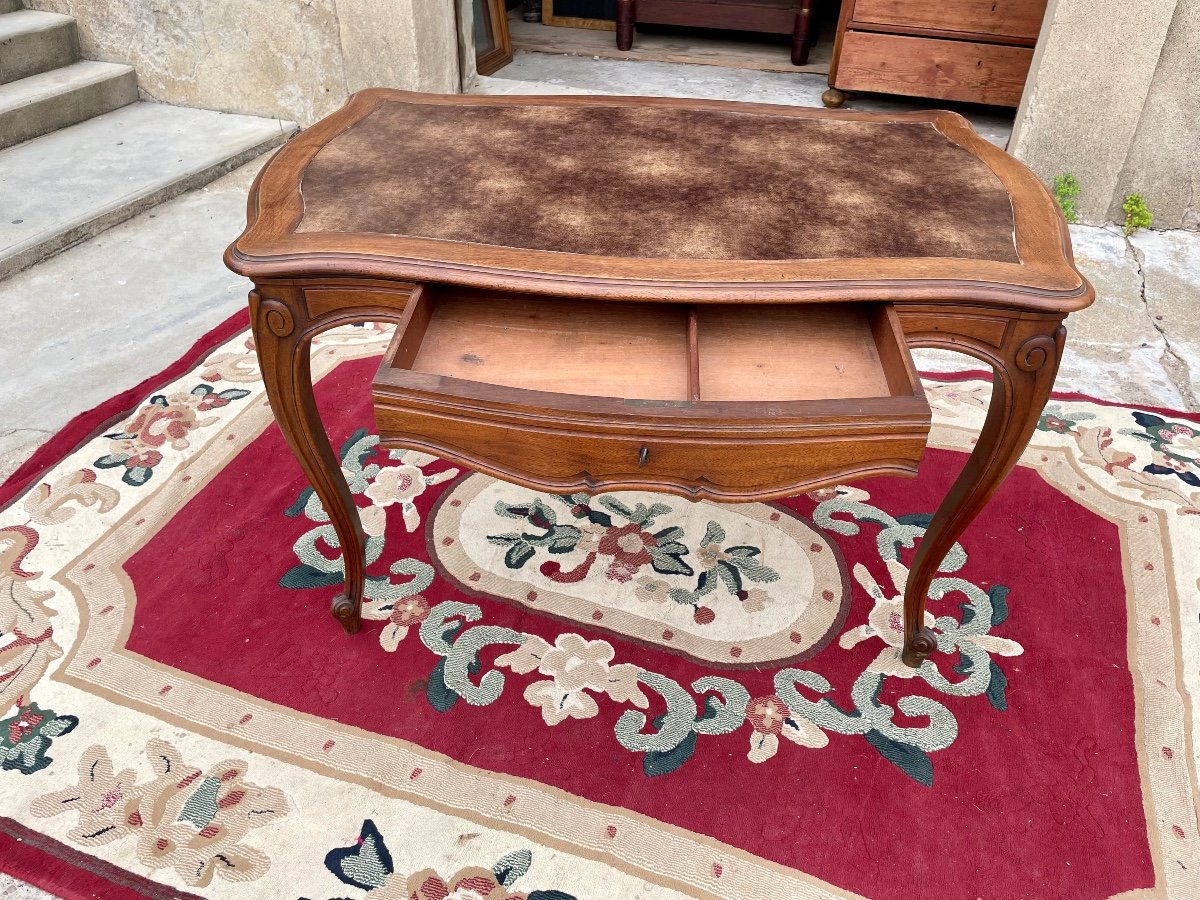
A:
x,y
652,351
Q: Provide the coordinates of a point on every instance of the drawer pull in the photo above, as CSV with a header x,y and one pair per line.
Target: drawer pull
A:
x,y
643,456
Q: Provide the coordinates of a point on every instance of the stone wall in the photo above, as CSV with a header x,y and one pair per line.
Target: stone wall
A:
x,y
1112,99
292,59
1163,163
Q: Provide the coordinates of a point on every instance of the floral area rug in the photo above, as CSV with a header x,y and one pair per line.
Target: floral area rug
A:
x,y
616,697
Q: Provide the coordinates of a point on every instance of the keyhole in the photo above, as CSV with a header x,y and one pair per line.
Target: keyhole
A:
x,y
643,456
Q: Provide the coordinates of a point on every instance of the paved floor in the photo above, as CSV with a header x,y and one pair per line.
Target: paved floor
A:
x,y
537,73
110,312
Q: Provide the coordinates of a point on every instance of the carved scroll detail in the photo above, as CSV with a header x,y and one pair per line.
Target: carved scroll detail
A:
x,y
1036,352
277,316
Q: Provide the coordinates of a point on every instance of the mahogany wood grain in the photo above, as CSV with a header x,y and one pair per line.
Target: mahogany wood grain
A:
x,y
693,350
283,333
410,330
1025,364
790,353
326,298
927,67
1007,315
500,54
1020,19
562,346
920,31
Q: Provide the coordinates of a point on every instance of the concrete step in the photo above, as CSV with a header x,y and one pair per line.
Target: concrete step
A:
x,y
67,186
51,100
32,41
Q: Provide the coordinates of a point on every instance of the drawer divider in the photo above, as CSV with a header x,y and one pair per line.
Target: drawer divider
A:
x,y
693,339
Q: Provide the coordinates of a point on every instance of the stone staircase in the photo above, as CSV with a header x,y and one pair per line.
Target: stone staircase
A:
x,y
79,152
44,85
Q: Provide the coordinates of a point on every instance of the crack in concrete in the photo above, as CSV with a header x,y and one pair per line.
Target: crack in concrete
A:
x,y
1172,362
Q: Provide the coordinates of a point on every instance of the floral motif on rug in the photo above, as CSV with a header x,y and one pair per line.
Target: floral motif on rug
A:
x,y
613,538
628,696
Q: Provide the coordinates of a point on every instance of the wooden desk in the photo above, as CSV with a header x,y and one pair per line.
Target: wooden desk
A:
x,y
707,298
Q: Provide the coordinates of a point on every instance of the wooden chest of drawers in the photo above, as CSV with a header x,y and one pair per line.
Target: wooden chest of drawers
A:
x,y
976,51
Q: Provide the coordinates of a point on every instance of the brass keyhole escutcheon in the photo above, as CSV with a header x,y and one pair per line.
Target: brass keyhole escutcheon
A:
x,y
643,456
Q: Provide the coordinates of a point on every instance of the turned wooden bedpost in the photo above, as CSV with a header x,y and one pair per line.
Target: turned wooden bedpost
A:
x,y
626,17
1025,364
802,33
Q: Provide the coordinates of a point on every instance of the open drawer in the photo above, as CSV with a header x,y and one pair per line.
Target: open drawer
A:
x,y
727,401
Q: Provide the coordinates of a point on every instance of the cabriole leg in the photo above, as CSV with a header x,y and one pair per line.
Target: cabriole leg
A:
x,y
282,338
1025,367
833,98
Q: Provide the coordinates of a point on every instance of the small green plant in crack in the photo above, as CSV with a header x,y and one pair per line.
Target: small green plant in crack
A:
x,y
1066,189
1136,214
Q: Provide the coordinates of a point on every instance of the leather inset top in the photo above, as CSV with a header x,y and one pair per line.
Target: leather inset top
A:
x,y
665,183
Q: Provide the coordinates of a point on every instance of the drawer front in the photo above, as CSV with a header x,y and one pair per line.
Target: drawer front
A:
x,y
562,461
1017,19
928,67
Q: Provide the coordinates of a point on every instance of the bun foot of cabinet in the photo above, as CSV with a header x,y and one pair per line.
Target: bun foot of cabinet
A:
x,y
833,98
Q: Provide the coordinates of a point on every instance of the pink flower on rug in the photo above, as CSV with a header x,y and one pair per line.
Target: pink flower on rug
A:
x,y
184,818
766,714
404,483
24,725
621,571
575,666
886,622
756,600
407,613
1183,441
655,589
770,719
709,555
156,425
410,611
590,536
146,458
471,883
628,545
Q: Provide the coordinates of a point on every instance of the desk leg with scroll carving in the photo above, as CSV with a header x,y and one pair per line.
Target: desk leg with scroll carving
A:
x,y
1025,364
282,335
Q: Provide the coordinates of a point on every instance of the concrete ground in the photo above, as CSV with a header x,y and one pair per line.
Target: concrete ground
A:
x,y
108,313
548,73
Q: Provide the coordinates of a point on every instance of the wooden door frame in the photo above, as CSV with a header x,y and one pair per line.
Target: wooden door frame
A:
x,y
502,54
